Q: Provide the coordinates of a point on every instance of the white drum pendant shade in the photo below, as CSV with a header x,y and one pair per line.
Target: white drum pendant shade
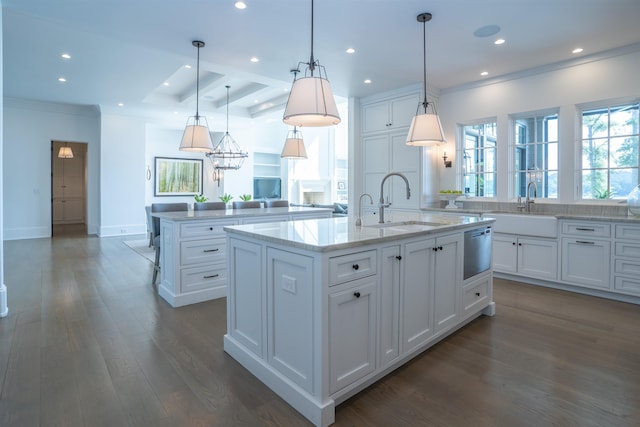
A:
x,y
196,137
294,146
65,153
311,103
425,129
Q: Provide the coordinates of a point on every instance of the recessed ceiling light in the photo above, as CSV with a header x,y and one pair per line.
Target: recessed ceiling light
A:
x,y
240,5
62,79
187,66
499,41
484,73
367,81
165,84
487,31
120,104
254,59
577,50
66,56
350,50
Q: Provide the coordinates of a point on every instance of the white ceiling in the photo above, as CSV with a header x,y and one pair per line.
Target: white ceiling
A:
x,y
124,50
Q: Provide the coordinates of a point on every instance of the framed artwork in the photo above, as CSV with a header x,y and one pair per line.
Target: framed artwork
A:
x,y
177,177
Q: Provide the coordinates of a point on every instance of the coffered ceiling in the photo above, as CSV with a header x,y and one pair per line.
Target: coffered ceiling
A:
x,y
134,53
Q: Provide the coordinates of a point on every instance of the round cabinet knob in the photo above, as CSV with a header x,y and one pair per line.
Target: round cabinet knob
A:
x,y
398,257
519,244
513,243
439,248
355,266
477,294
356,294
210,228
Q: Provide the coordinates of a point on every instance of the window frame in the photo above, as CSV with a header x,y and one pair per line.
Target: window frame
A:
x,y
580,140
461,151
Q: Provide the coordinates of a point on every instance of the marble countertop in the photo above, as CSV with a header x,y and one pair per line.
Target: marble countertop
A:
x,y
577,216
329,234
236,213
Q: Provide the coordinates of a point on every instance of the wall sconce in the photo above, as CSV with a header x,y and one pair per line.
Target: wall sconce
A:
x,y
217,175
447,163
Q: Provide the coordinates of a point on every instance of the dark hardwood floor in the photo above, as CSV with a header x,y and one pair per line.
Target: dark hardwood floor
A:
x,y
87,343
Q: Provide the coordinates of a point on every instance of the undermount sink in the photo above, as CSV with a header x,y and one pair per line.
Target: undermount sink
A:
x,y
406,225
525,224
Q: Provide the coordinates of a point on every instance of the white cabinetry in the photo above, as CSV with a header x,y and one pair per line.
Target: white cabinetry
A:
x,y
626,259
389,319
389,114
534,257
385,124
194,253
352,332
586,252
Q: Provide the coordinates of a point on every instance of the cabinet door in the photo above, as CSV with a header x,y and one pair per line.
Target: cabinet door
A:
x,y
416,293
447,280
505,254
586,262
290,315
406,160
352,332
538,258
246,295
375,117
403,109
389,318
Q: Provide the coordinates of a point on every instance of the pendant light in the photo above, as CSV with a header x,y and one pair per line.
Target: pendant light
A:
x,y
426,128
294,146
227,155
311,101
65,152
196,136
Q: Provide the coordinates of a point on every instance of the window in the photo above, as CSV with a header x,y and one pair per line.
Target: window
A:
x,y
609,152
479,160
535,154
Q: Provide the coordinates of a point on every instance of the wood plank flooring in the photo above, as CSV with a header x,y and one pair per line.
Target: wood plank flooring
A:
x,y
87,343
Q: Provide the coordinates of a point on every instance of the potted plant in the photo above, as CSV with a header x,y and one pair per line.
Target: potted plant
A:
x,y
200,198
226,198
245,197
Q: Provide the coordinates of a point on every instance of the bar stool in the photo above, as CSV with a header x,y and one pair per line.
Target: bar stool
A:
x,y
209,206
276,203
246,205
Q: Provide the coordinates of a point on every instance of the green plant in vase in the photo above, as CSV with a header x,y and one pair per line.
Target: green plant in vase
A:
x,y
245,197
200,198
226,198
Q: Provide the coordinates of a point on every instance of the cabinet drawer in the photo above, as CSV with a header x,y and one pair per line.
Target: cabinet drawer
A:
x,y
476,294
352,266
627,250
627,267
204,277
586,229
203,251
627,285
204,228
627,232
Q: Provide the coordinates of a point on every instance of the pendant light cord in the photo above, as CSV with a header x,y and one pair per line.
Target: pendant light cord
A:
x,y
227,132
312,60
424,63
197,80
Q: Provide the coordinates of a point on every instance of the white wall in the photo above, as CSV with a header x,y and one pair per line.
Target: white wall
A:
x,y
610,77
29,128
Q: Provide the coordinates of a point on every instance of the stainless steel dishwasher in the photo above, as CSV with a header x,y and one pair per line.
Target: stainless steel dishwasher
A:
x,y
477,251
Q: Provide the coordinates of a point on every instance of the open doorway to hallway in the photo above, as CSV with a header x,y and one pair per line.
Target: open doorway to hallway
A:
x,y
68,188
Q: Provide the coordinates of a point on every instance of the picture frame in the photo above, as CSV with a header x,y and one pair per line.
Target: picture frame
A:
x,y
177,177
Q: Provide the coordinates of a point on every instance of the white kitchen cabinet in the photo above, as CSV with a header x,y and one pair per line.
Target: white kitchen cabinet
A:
x,y
534,257
417,287
352,332
194,253
586,254
389,300
389,114
626,259
447,279
386,153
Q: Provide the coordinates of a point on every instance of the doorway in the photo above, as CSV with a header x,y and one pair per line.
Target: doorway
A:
x,y
68,188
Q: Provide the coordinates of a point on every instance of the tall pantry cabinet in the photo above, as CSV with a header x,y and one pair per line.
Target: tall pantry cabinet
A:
x,y
385,124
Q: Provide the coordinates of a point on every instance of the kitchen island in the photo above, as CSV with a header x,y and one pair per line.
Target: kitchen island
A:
x,y
193,258
320,309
